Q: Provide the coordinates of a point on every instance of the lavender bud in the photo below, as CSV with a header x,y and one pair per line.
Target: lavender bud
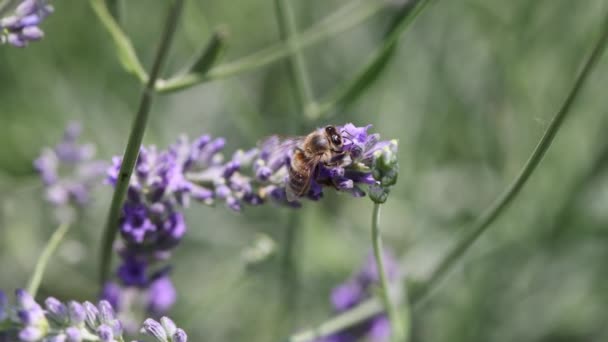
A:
x,y
32,33
378,194
56,338
30,334
168,325
77,313
106,313
105,333
73,334
180,336
56,310
15,40
92,315
26,7
9,22
30,20
24,300
153,328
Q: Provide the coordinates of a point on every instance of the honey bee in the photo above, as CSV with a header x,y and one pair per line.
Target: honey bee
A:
x,y
323,146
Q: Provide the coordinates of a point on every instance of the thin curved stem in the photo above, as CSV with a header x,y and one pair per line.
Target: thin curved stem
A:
x,y
135,137
397,328
369,72
45,256
289,273
501,203
297,64
342,20
125,50
372,307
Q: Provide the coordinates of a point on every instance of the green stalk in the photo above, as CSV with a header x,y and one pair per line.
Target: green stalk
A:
x,y
289,275
372,307
367,74
125,50
501,203
397,329
45,257
343,19
297,65
135,138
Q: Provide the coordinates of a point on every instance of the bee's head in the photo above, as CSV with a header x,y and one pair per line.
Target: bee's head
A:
x,y
334,137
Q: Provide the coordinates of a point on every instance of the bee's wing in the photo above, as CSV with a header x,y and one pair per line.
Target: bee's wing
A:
x,y
278,147
290,194
306,173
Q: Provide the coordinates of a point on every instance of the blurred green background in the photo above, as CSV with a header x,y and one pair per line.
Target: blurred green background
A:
x,y
468,93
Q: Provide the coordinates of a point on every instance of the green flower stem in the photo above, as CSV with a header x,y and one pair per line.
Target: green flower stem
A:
x,y
297,64
116,8
397,328
349,318
44,258
133,145
365,76
289,274
372,307
343,19
125,50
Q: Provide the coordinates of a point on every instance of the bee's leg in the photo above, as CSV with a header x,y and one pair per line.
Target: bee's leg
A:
x,y
336,159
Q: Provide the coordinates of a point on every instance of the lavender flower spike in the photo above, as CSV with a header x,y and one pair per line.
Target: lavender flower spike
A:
x,y
165,331
354,291
66,323
68,170
22,26
165,181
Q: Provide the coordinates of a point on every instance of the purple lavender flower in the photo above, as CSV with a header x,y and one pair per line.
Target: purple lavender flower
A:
x,y
31,316
356,290
164,182
68,170
71,322
22,26
198,170
161,295
3,307
164,331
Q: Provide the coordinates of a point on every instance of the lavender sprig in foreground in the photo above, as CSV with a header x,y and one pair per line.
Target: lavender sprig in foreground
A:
x,y
166,181
355,291
72,322
22,26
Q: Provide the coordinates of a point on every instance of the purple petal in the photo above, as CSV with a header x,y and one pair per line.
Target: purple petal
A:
x,y
161,295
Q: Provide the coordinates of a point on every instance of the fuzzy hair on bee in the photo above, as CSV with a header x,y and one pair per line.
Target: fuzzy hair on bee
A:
x,y
322,146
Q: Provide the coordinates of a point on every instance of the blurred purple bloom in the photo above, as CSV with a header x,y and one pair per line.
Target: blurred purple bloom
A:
x,y
21,27
161,296
133,272
65,322
356,290
3,306
112,293
68,170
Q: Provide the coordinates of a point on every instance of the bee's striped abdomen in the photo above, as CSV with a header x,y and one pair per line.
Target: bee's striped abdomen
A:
x,y
299,176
